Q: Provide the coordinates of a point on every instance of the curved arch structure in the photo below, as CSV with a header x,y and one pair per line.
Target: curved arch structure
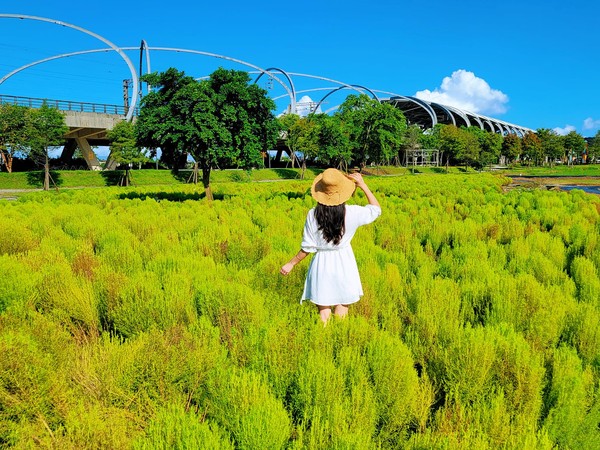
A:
x,y
292,95
144,50
94,35
428,114
420,112
147,49
353,86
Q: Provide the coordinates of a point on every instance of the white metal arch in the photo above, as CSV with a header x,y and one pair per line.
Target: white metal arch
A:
x,y
148,49
134,76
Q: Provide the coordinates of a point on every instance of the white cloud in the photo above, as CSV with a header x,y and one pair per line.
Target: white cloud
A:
x,y
590,124
564,131
466,91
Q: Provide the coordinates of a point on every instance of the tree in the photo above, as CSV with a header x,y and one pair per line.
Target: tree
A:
x,y
291,132
552,144
376,130
46,128
574,144
450,141
333,145
302,136
490,145
222,120
470,151
13,136
123,148
532,147
511,147
594,147
164,115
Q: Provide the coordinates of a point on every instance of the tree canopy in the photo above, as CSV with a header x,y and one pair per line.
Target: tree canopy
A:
x,y
124,149
220,120
375,130
13,136
45,128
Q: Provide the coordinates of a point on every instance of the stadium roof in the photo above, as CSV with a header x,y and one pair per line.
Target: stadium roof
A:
x,y
428,114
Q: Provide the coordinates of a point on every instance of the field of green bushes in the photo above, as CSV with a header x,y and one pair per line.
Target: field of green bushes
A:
x,y
149,318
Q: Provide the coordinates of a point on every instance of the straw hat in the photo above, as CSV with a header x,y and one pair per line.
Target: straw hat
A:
x,y
332,188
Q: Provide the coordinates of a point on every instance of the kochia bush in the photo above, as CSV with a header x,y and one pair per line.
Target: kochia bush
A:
x,y
149,318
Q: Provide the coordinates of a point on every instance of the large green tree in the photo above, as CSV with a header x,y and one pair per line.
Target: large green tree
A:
x,y
376,130
13,136
222,120
46,128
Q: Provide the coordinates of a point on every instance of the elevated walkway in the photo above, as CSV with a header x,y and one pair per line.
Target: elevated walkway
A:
x,y
88,124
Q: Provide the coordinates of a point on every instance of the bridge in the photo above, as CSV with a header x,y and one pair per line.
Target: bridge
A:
x,y
89,122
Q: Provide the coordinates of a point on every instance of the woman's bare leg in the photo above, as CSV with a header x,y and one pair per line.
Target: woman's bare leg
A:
x,y
324,313
341,310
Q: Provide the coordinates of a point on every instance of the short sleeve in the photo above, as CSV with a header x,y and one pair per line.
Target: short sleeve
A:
x,y
309,243
366,214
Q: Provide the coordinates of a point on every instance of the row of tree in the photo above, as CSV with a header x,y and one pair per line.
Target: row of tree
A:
x,y
30,132
226,121
365,131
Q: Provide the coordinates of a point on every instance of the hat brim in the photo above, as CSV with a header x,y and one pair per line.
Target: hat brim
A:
x,y
344,193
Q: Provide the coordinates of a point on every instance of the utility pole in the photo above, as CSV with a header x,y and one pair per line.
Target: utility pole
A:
x,y
126,94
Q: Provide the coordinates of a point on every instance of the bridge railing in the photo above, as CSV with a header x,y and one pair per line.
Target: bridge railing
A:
x,y
64,105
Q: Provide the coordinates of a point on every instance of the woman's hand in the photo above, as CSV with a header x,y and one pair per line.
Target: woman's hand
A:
x,y
287,268
358,179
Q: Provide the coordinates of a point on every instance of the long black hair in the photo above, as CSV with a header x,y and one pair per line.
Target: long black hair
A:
x,y
331,221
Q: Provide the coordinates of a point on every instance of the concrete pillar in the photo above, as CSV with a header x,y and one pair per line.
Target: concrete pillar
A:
x,y
68,151
88,154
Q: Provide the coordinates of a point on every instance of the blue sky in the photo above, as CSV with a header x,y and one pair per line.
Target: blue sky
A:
x,y
531,63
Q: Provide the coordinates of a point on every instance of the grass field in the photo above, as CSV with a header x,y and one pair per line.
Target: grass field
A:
x,y
147,317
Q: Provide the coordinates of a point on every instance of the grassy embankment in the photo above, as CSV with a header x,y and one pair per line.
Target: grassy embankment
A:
x,y
149,177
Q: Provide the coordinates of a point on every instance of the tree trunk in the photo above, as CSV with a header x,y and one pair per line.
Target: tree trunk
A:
x,y
8,160
206,182
46,173
303,169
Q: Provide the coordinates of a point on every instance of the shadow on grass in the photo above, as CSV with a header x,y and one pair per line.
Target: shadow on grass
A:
x,y
36,179
290,195
112,177
287,174
439,170
184,175
170,196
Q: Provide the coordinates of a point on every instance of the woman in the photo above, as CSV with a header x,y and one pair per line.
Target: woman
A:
x,y
332,280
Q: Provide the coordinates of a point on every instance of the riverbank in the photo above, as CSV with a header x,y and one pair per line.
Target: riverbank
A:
x,y
589,184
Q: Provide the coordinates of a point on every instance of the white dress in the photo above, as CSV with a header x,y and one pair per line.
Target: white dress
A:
x,y
332,277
